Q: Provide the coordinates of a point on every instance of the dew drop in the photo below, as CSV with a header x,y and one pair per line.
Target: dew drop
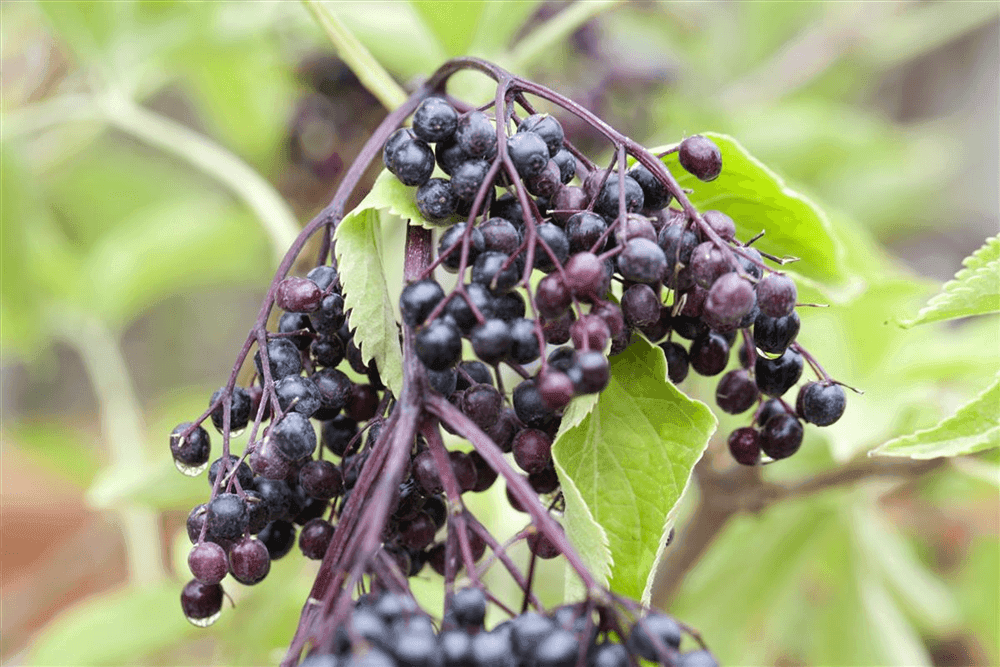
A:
x,y
205,622
236,432
190,471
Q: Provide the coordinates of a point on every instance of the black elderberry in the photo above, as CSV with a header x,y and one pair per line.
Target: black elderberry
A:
x,y
459,310
587,276
744,445
362,403
327,351
243,473
293,322
283,359
468,607
482,404
443,382
416,648
524,341
468,177
418,532
607,201
708,264
485,475
700,157
410,160
418,299
689,327
729,300
334,389
591,372
653,634
610,654
567,166
736,392
492,649
551,296
635,226
559,649
436,200
502,433
249,561
277,498
434,120
699,658
567,202
776,376
299,295
528,152
545,480
590,332
781,436
227,516
507,207
509,307
532,450
315,538
776,295
464,470
529,407
556,331
449,155
492,341
640,305
256,511
709,354
472,372
439,344
774,334
476,135
654,192
721,224
395,140
456,648
207,562
546,127
677,361
583,230
489,270
192,451
298,394
294,437
278,537
642,261
555,238
822,403
527,632
201,603
239,411
338,433
453,235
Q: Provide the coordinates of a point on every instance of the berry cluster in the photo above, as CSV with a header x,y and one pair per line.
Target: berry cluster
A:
x,y
559,265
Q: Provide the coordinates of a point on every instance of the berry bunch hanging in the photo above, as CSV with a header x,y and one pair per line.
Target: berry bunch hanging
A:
x,y
560,264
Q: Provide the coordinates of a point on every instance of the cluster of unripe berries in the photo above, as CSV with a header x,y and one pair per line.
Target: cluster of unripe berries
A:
x,y
389,630
280,491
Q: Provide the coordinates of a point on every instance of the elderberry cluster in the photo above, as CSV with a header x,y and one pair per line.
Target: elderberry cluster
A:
x,y
389,630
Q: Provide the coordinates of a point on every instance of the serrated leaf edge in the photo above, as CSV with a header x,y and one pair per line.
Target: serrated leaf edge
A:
x,y
960,283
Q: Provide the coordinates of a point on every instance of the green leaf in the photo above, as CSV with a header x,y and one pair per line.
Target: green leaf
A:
x,y
453,22
630,460
359,259
974,291
390,195
975,427
757,199
70,452
114,629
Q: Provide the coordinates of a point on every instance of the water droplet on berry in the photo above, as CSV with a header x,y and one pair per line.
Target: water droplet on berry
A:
x,y
189,470
204,622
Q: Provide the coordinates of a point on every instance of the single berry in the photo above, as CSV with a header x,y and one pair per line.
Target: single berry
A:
x,y
294,436
721,224
677,361
243,473
655,193
293,322
434,120
201,603
583,230
591,372
321,479
418,299
277,498
315,538
529,407
411,161
528,152
567,168
774,334
482,404
744,445
436,200
278,537
822,404
546,127
709,354
298,394
452,236
607,203
227,516
362,403
700,157
327,351
334,389
298,295
653,634
642,261
509,307
191,452
552,297
729,300
467,179
476,135
493,270
776,376
776,295
492,341
207,562
239,407
555,238
283,359
781,436
587,276
532,450
439,344
249,561
449,155
736,392
459,310
640,305
708,264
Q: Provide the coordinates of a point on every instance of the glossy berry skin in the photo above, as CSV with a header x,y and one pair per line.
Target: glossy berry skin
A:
x,y
201,601
721,224
492,341
249,561
552,296
529,407
655,193
436,200
527,632
590,332
744,446
555,238
476,135
239,411
292,322
243,473
774,334
555,388
434,120
610,654
607,201
642,261
822,404
439,345
278,537
452,236
489,271
709,354
524,341
334,389
583,230
207,562
315,538
283,359
708,264
298,394
294,436
467,178
640,305
532,450
449,155
546,127
500,235
655,628
559,649
193,450
459,310
227,516
591,372
700,157
395,140
736,392
728,301
321,479
776,376
567,167
677,361
482,404
776,295
587,276
411,161
277,498
468,606
418,299
528,152
781,436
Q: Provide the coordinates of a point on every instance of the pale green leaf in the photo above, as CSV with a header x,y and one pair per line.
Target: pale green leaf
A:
x,y
974,291
359,260
588,537
453,22
758,199
390,195
631,457
973,428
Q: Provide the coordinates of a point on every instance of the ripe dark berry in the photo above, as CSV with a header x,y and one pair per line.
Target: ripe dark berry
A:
x,y
721,224
334,389
436,200
612,315
524,341
482,404
529,407
590,332
485,475
559,649
411,160
321,479
418,532
729,300
492,341
191,453
607,201
567,167
642,261
468,177
708,264
476,135
555,238
583,230
699,658
544,481
709,354
362,403
330,316
744,445
678,243
207,562
701,157
652,634
278,537
500,235
243,473
587,276
418,300
640,305
776,295
528,152
453,235
502,433
472,372
460,311
283,359
546,127
610,654
551,296
292,322
509,307
591,372
239,411
822,404
468,606
774,334
256,510
776,376
532,450
449,155
677,361
439,344
508,207
635,226
492,649
294,437
315,538
201,603
299,295
655,193
736,392
298,394
555,388
338,433
327,350
542,546
249,561
227,516
277,498
781,436
489,271
434,120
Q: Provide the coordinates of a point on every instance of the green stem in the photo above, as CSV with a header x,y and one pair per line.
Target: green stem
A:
x,y
168,135
122,430
370,73
555,30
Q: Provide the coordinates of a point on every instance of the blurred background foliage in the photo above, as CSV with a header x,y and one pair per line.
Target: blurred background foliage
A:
x,y
156,157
